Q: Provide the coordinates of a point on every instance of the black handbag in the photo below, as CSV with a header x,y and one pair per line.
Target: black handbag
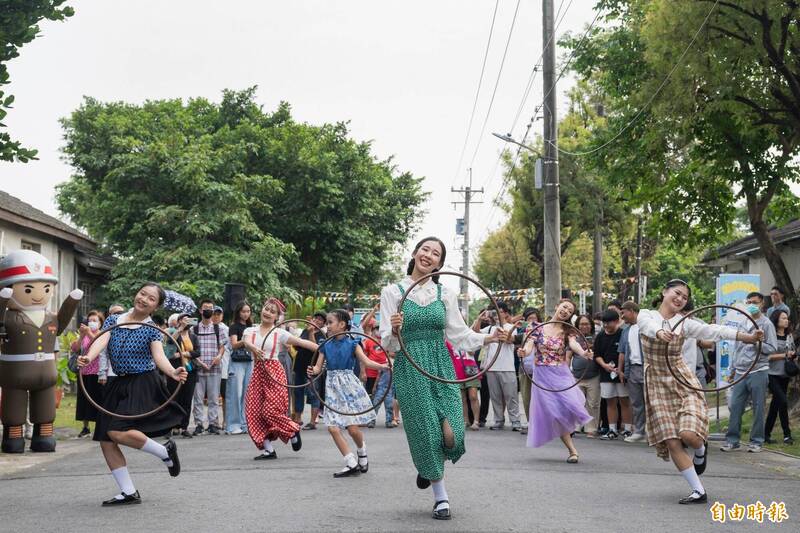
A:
x,y
72,362
241,355
791,368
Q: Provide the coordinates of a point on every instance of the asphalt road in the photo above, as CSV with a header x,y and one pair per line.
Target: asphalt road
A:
x,y
499,485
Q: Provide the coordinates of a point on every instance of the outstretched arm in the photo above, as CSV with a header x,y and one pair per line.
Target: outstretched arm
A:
x,y
67,310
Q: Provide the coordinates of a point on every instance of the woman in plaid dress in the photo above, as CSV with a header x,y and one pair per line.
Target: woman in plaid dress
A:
x,y
677,415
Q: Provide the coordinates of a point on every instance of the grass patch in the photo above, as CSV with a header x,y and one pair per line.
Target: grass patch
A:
x,y
65,414
777,433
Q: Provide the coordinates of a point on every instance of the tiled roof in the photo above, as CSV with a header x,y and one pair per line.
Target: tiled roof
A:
x,y
22,209
788,233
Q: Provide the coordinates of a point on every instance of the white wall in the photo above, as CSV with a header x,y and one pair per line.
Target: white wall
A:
x,y
791,258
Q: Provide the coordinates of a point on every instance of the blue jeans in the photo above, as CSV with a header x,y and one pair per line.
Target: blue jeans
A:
x,y
305,394
380,389
754,386
238,379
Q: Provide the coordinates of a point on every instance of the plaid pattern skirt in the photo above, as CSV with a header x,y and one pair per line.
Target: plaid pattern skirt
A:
x,y
669,406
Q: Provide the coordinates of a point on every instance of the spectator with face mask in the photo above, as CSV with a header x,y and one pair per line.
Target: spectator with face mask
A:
x,y
84,410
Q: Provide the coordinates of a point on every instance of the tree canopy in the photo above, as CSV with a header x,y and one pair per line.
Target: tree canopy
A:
x,y
196,194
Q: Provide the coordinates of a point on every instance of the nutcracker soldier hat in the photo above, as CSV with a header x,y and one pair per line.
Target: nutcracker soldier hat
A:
x,y
25,265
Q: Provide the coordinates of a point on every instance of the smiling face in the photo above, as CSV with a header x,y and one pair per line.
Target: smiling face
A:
x,y
428,257
335,324
585,326
146,300
35,294
244,313
564,311
269,313
675,298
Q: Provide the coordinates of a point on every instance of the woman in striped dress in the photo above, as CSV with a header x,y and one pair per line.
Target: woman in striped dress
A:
x,y
677,416
432,412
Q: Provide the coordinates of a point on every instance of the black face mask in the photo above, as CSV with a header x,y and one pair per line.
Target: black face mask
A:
x,y
208,313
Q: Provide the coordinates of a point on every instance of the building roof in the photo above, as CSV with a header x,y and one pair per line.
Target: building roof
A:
x,y
15,210
749,245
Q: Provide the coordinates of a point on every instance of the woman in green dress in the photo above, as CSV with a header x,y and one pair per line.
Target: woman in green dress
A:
x,y
432,411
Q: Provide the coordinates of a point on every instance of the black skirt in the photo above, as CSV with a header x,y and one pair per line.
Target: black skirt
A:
x,y
83,409
135,394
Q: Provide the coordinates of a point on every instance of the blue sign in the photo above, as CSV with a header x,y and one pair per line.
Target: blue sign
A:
x,y
732,289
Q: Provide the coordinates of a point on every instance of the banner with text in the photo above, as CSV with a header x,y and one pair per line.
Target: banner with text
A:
x,y
732,289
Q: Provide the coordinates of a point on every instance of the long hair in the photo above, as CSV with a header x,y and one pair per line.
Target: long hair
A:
x,y
776,316
238,309
410,268
675,283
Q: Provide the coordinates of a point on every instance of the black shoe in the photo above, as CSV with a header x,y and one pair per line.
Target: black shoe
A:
x,y
441,514
788,440
700,468
213,430
127,499
348,472
298,443
13,445
185,434
198,430
43,444
423,483
84,433
768,440
266,456
172,450
694,497
365,467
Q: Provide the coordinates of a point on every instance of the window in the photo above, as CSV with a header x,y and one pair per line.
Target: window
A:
x,y
35,246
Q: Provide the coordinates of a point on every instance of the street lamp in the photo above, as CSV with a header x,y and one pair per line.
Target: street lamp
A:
x,y
509,139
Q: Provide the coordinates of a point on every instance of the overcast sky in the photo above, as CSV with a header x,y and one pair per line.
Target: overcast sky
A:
x,y
403,73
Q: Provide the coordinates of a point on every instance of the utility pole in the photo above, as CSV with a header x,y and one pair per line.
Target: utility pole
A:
x,y
638,293
552,214
597,269
467,191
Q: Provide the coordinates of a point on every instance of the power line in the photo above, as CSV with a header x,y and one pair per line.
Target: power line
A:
x,y
477,92
496,84
653,96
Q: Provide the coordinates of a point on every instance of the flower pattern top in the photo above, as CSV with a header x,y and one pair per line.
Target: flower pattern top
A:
x,y
550,350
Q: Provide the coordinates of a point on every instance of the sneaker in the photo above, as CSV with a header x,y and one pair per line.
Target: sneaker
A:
x,y
516,426
389,425
694,497
610,435
731,447
84,433
371,424
754,448
788,440
523,431
498,426
198,430
482,424
626,433
185,434
635,437
213,430
602,431
237,431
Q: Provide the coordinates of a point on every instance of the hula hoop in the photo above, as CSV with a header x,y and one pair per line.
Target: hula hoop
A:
x,y
411,360
117,415
264,343
680,379
525,341
375,404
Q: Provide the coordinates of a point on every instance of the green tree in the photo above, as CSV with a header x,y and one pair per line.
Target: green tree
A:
x,y
19,25
197,193
504,261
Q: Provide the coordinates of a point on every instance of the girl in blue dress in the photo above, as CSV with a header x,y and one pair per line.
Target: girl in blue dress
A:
x,y
134,353
344,391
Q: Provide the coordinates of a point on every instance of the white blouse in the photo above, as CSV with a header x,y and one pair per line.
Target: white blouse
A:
x,y
456,330
650,322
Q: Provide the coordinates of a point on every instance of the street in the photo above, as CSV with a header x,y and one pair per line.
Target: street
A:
x,y
499,485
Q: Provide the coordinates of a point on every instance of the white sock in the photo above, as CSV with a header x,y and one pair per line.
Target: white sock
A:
x,y
698,454
159,450
628,427
293,440
439,492
350,461
693,479
268,446
124,481
362,455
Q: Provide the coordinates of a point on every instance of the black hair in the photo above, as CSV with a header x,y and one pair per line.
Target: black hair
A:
x,y
531,311
675,283
342,316
503,306
205,301
776,316
755,294
410,268
349,308
161,294
159,320
615,303
320,314
630,305
587,317
597,316
776,288
238,309
610,316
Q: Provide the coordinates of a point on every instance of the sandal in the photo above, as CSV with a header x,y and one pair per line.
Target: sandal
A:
x,y
310,426
573,458
474,427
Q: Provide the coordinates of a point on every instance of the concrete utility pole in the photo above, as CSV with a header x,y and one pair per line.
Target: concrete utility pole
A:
x,y
639,296
597,269
464,286
552,214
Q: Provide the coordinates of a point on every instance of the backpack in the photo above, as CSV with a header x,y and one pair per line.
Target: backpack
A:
x,y
196,329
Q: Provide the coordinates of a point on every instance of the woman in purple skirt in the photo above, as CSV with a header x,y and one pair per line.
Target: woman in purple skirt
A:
x,y
555,414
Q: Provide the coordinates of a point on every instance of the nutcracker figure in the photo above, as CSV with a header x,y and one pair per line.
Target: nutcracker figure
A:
x,y
27,361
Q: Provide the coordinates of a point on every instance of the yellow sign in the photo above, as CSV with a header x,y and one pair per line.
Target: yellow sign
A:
x,y
775,513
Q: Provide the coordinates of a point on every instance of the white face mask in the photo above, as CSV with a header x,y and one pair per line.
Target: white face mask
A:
x,y
94,326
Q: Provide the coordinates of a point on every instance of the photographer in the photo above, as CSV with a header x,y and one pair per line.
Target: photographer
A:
x,y
189,352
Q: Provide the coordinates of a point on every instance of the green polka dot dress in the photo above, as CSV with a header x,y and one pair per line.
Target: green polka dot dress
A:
x,y
424,402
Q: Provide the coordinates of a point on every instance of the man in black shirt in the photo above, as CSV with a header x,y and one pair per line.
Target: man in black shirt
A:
x,y
301,363
606,355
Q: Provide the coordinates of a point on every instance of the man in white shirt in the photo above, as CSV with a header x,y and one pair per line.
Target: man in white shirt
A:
x,y
502,376
631,366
